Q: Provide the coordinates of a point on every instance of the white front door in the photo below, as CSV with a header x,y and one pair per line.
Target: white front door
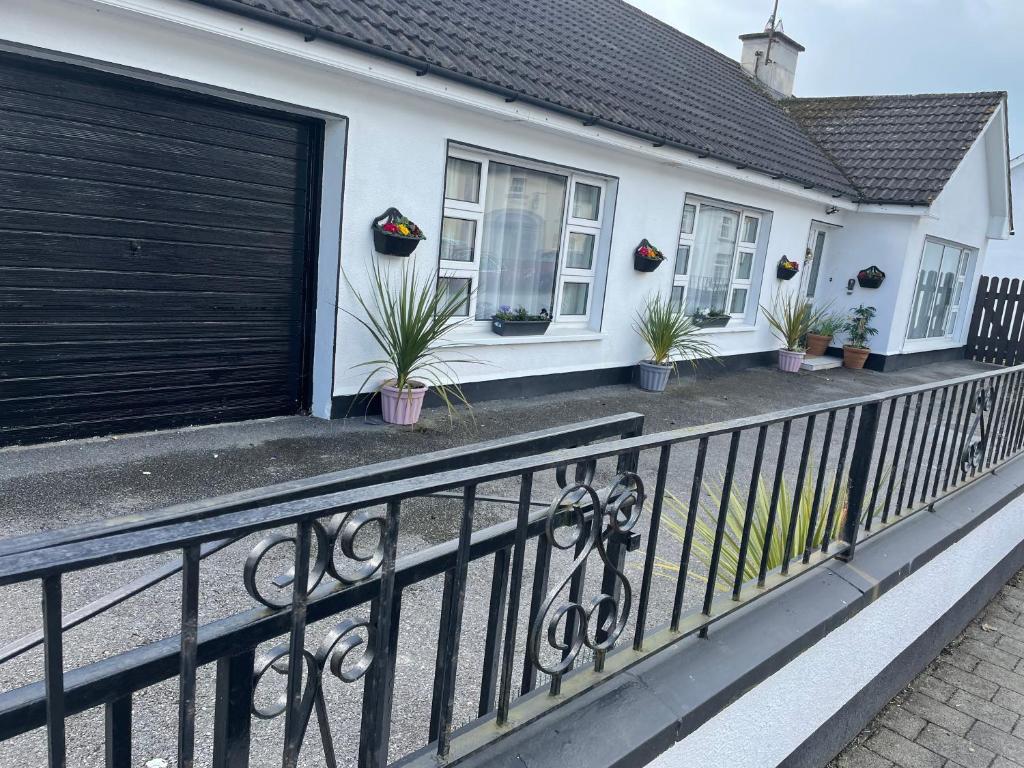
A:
x,y
816,253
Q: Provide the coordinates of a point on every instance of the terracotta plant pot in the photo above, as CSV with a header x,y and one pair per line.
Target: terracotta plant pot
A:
x,y
654,377
817,345
790,361
402,406
855,357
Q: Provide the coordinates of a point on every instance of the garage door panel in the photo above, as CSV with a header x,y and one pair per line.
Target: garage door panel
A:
x,y
34,192
44,278
80,358
67,139
19,392
154,255
119,173
133,229
120,119
77,86
58,251
169,329
28,412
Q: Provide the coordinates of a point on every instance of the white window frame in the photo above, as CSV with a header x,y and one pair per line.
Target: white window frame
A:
x,y
954,316
462,209
687,239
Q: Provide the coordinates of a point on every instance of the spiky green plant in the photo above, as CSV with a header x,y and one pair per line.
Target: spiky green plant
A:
x,y
409,319
674,514
830,324
668,332
791,317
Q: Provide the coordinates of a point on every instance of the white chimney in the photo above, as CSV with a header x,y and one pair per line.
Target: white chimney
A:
x,y
770,57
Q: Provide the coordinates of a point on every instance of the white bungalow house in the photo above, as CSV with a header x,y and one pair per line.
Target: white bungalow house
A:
x,y
1005,258
188,183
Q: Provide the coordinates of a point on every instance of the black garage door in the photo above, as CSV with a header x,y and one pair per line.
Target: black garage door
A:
x,y
153,255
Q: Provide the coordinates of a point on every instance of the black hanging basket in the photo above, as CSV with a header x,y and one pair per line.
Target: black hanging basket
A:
x,y
871,277
785,273
392,243
643,263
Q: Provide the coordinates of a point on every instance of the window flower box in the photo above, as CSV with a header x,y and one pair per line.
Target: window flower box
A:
x,y
519,322
871,277
394,234
647,258
786,269
710,318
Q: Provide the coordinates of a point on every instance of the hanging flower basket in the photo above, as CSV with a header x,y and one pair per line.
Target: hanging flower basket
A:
x,y
786,269
394,234
871,277
647,258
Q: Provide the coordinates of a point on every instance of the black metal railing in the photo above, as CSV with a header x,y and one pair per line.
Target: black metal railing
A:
x,y
620,544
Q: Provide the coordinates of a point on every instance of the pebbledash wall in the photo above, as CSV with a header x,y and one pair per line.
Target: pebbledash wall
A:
x,y
387,137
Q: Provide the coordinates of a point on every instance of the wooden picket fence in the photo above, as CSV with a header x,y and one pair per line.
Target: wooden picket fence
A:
x,y
997,323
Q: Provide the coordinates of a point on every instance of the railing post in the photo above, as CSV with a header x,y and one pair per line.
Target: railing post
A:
x,y
117,733
233,710
860,471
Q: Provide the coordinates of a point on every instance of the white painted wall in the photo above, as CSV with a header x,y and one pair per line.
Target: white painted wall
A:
x,y
398,126
1005,258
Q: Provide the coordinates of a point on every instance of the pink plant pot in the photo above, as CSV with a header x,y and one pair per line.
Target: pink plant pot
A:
x,y
789,361
401,406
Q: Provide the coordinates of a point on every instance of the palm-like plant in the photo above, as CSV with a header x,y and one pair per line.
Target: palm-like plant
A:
x,y
668,332
409,319
674,515
791,317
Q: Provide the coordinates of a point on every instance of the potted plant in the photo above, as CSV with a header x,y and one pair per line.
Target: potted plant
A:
x,y
710,318
669,334
409,319
871,277
519,321
858,330
790,318
394,234
786,269
822,332
647,258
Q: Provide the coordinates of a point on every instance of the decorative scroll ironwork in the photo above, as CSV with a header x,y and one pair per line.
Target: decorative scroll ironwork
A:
x,y
975,445
332,654
595,521
337,535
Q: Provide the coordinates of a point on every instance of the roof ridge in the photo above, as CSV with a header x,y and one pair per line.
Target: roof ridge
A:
x,y
852,97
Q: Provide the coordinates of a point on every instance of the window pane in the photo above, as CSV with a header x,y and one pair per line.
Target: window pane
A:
x,y
711,260
689,212
522,232
678,297
462,180
682,259
458,239
816,253
744,264
449,287
574,298
580,251
938,293
750,229
587,202
738,305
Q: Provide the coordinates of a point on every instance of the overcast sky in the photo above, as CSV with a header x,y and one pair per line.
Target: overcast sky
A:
x,y
878,46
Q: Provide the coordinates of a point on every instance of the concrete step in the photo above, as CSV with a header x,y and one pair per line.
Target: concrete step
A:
x,y
822,363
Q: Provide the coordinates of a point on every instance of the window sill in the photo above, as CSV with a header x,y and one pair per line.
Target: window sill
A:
x,y
737,328
927,345
482,338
